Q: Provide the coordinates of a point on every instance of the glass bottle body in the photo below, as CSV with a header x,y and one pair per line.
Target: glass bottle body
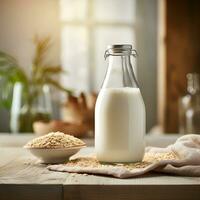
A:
x,y
120,114
189,107
29,105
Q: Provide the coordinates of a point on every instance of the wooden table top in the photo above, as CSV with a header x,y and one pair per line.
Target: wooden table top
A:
x,y
22,177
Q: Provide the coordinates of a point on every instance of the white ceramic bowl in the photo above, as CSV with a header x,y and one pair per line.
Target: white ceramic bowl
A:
x,y
54,155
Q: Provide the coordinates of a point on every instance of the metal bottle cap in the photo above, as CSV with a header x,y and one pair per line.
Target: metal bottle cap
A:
x,y
120,49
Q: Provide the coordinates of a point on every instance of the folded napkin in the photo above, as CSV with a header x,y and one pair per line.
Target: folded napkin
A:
x,y
181,158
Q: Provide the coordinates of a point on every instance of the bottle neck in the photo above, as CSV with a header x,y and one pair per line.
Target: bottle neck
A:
x,y
193,83
129,78
120,72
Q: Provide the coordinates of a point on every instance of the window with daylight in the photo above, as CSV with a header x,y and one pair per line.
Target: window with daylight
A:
x,y
87,27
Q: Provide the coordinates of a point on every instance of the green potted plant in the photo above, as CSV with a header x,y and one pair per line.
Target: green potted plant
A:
x,y
27,96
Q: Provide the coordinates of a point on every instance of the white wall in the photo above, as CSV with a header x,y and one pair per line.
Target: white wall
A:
x,y
20,20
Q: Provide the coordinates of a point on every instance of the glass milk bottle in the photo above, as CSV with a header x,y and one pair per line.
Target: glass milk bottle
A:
x,y
120,118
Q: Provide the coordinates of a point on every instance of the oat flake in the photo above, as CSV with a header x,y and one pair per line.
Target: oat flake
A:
x,y
55,140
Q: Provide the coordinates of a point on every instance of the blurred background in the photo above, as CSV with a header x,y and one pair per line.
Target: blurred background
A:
x,y
67,40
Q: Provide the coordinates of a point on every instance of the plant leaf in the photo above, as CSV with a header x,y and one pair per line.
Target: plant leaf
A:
x,y
52,70
58,86
42,45
10,73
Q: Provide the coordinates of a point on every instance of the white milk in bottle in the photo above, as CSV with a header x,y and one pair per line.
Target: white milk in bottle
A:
x,y
120,111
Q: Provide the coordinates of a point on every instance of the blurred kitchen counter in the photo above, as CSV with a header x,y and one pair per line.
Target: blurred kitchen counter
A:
x,y
19,140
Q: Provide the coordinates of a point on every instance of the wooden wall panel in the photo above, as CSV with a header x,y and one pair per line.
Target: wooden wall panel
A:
x,y
182,53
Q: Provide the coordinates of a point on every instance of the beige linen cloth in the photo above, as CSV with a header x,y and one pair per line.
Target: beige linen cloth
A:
x,y
181,158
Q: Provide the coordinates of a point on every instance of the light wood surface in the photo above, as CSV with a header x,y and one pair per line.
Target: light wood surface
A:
x,y
22,177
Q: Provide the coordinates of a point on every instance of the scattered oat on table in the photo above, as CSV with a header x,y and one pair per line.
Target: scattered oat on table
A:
x,y
55,140
92,162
